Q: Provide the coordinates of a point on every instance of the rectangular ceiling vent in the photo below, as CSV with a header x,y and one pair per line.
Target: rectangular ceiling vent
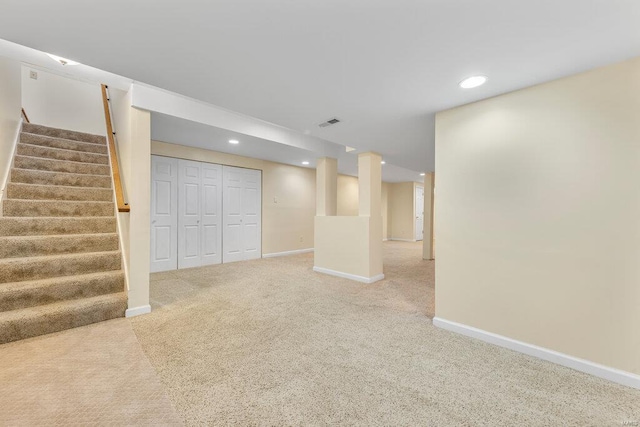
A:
x,y
329,122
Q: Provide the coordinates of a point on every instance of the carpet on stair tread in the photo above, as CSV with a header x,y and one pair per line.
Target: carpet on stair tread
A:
x,y
61,154
30,226
58,192
40,163
63,133
26,246
43,267
67,144
33,176
45,319
35,208
29,293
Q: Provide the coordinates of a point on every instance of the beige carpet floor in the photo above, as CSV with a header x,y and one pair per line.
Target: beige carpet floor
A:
x,y
270,342
92,375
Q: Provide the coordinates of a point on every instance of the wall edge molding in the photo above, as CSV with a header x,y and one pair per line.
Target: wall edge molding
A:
x,y
395,239
618,376
355,277
137,311
287,253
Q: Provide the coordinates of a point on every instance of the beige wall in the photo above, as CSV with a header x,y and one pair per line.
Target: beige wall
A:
x,y
348,200
428,250
62,102
538,215
402,210
10,103
288,195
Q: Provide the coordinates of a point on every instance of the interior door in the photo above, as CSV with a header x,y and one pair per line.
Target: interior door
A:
x,y
251,218
164,208
419,213
211,218
189,208
242,214
232,214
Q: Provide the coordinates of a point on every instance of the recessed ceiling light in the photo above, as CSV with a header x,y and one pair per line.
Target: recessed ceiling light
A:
x,y
63,61
422,174
305,163
234,141
474,81
383,162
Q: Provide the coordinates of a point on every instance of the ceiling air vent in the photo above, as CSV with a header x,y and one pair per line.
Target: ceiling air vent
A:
x,y
329,122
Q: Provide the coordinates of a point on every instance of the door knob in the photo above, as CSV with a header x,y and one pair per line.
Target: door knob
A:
x,y
153,222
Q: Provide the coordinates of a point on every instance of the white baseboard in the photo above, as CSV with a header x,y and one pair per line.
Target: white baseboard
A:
x,y
402,240
137,311
612,374
385,239
349,276
287,253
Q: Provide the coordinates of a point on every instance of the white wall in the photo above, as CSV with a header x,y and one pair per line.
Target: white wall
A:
x,y
10,103
538,215
62,102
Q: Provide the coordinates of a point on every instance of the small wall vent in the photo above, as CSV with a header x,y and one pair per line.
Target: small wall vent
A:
x,y
329,122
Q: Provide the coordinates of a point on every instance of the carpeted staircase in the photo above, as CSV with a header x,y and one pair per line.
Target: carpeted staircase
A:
x,y
60,262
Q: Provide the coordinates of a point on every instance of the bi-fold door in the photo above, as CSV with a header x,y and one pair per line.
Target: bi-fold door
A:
x,y
199,214
203,213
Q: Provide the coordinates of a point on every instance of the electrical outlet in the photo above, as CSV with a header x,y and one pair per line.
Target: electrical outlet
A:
x,y
33,75
275,200
301,239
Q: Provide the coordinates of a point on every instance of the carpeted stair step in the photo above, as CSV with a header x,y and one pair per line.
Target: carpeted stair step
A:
x,y
57,192
44,267
18,295
66,144
39,163
62,133
26,246
45,319
61,154
25,226
32,176
31,208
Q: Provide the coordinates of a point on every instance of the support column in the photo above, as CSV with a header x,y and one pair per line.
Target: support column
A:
x,y
139,225
327,187
370,205
429,199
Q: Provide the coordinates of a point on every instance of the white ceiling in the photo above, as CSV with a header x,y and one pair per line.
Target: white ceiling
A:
x,y
382,66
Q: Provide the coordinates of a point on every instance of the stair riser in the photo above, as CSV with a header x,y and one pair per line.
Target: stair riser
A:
x,y
17,247
33,192
39,208
66,144
37,163
57,154
21,269
48,226
63,134
62,289
17,329
29,176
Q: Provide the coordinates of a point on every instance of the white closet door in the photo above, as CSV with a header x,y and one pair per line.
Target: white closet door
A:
x,y
164,209
242,222
232,214
251,218
211,210
189,208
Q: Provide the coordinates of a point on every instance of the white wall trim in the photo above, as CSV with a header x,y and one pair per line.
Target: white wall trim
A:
x,y
137,311
349,276
385,239
287,253
612,374
395,239
5,178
